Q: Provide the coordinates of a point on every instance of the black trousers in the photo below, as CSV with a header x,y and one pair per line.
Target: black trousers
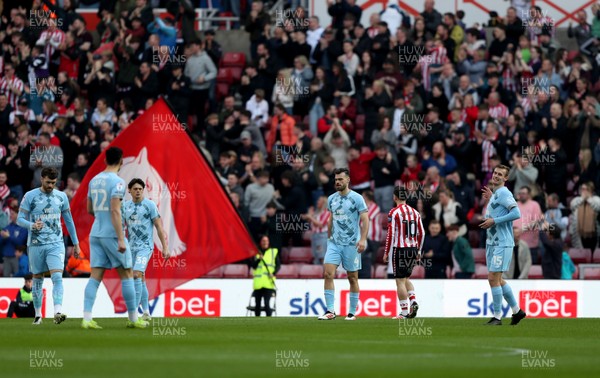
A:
x,y
21,312
198,105
259,295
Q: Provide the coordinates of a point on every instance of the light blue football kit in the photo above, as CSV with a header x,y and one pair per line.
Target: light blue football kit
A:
x,y
46,246
345,233
139,219
500,239
103,238
500,242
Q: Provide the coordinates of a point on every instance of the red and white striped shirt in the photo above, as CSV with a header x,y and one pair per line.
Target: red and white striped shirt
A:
x,y
405,229
323,218
5,88
55,38
375,230
439,55
487,151
499,111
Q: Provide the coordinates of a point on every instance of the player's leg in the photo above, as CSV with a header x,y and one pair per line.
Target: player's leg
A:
x,y
91,289
412,298
495,279
354,294
99,262
402,297
140,263
37,262
333,258
55,257
507,292
144,299
352,262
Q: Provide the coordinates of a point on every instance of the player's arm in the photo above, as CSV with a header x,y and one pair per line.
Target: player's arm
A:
x,y
388,239
364,230
23,219
330,225
90,207
420,235
116,220
70,224
161,235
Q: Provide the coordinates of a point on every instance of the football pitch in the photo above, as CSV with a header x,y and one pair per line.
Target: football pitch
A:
x,y
294,347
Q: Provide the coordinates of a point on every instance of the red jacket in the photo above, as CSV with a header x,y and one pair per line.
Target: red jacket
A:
x,y
286,131
360,169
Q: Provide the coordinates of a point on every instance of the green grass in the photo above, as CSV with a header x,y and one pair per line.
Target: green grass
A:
x,y
247,347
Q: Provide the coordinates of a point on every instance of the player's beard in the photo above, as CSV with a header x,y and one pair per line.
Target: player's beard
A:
x,y
342,187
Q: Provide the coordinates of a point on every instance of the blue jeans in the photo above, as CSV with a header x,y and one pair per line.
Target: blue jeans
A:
x,y
316,112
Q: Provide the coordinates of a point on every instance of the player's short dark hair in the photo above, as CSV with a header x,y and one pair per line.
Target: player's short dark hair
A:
x,y
113,155
504,167
401,192
50,173
339,171
134,181
369,194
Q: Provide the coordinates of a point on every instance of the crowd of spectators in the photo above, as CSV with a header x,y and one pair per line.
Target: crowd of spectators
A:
x,y
426,102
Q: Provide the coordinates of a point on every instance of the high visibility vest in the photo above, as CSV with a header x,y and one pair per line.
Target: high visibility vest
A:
x,y
25,296
261,273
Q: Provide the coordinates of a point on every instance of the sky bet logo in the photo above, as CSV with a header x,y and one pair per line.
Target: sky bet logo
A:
x,y
483,306
306,306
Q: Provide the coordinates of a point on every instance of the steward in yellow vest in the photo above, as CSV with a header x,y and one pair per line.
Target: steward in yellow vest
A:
x,y
265,265
22,306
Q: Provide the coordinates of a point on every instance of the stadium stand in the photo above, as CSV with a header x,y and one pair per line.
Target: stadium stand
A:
x,y
447,111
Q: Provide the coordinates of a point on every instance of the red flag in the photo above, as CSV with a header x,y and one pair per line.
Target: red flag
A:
x,y
203,228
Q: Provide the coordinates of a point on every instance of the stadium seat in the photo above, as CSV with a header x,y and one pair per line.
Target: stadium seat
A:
x,y
535,272
300,255
215,273
288,271
580,255
310,271
480,271
474,238
232,59
235,271
236,73
285,255
222,91
591,274
224,75
306,238
479,255
380,271
360,122
418,272
596,256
